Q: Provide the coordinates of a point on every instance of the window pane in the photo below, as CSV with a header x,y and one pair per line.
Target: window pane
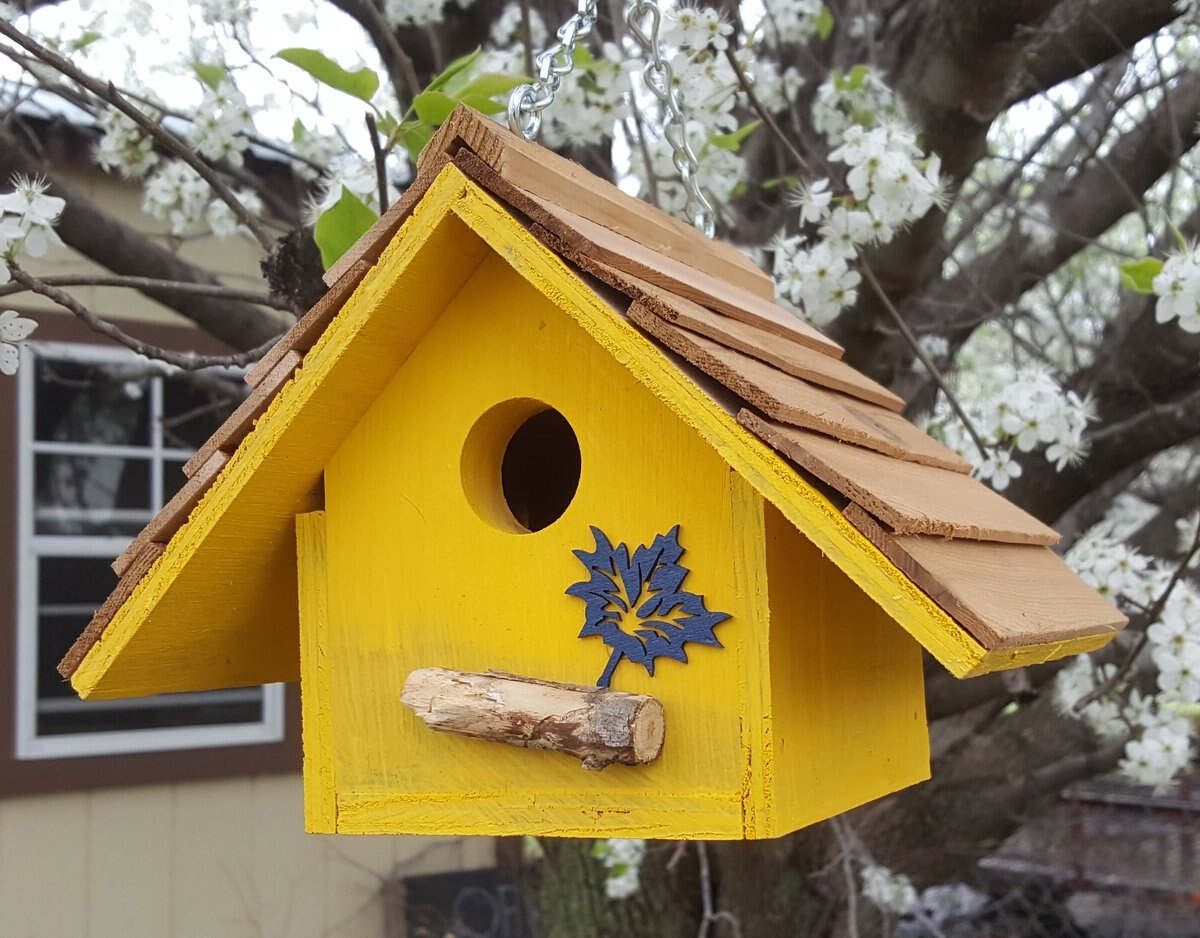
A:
x,y
91,403
192,411
91,494
173,478
70,589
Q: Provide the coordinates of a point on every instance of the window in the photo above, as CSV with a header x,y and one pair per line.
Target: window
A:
x,y
102,438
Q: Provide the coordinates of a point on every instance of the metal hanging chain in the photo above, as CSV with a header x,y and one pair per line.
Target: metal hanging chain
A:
x,y
526,103
643,17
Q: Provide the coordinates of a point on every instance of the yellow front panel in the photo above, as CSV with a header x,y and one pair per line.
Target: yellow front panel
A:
x,y
418,578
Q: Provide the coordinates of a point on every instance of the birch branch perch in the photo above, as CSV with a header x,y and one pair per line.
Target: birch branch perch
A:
x,y
595,724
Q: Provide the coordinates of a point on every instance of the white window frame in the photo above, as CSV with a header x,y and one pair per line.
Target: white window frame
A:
x,y
30,546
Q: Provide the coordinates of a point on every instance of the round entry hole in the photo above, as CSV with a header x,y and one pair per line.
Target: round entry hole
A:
x,y
521,466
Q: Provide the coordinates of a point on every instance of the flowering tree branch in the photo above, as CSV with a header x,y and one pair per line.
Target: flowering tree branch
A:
x,y
188,361
120,248
176,147
147,284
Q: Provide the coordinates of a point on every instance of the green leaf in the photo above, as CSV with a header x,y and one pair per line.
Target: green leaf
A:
x,y
733,141
857,76
1177,235
412,135
340,226
298,130
433,107
86,40
211,75
824,23
453,70
387,125
361,84
491,84
1138,276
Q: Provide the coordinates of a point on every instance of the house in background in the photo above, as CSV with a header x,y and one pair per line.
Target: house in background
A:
x,y
179,815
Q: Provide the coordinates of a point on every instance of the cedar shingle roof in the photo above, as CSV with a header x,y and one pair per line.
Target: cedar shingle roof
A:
x,y
985,562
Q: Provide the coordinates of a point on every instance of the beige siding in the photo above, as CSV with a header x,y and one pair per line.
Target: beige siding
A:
x,y
204,860
234,260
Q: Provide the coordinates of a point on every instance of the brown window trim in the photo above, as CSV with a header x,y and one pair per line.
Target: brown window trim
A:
x,y
43,776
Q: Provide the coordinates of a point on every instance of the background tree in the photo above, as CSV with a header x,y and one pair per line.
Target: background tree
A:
x,y
975,198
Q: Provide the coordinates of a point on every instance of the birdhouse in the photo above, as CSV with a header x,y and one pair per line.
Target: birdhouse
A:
x,y
566,528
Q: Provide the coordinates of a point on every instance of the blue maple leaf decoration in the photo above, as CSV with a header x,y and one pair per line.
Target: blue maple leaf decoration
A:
x,y
637,604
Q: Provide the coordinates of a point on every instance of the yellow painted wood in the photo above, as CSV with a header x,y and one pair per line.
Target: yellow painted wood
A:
x,y
320,793
550,813
424,571
749,558
238,545
219,608
807,509
847,693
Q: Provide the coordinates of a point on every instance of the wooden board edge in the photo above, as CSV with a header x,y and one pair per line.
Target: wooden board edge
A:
x,y
134,572
998,647
320,787
876,507
174,513
235,428
660,301
561,181
309,327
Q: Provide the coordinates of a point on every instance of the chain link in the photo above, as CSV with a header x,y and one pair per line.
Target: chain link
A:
x,y
526,103
643,17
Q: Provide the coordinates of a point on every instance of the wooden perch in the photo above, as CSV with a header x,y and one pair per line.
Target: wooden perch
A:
x,y
598,725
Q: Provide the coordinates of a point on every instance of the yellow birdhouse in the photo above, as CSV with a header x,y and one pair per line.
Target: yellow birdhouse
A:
x,y
566,528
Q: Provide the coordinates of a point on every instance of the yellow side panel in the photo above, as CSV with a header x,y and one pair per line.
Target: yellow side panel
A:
x,y
418,578
847,695
320,795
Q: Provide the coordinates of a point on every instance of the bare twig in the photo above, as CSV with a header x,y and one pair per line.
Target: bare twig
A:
x,y
380,163
151,283
710,915
188,361
921,354
107,91
763,113
403,62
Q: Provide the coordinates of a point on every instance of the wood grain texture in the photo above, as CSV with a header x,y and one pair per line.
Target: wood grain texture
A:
x,y
799,403
174,513
320,786
582,238
302,336
656,304
909,497
235,428
1007,595
553,178
136,569
597,725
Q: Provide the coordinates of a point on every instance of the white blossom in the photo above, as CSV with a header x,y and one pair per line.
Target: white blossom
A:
x,y
13,329
695,27
999,468
623,861
793,21
1177,287
27,218
124,147
222,123
892,892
